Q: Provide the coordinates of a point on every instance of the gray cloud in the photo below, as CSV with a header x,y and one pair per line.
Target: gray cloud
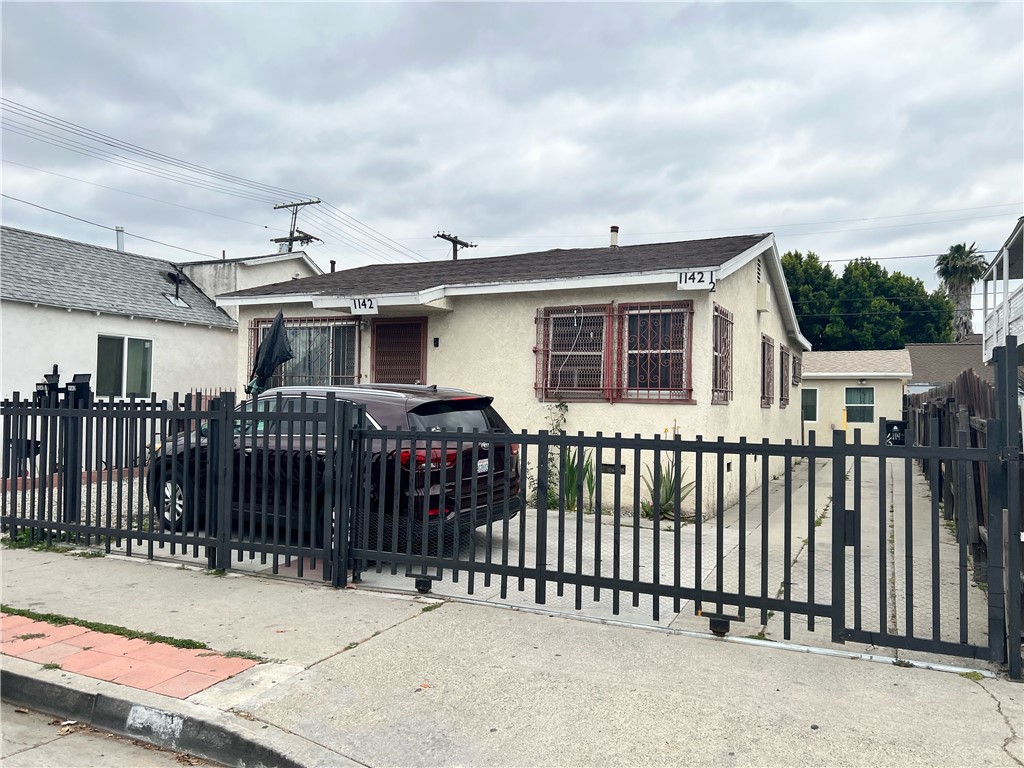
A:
x,y
528,126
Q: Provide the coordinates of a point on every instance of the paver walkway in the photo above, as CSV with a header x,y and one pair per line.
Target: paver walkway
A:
x,y
138,663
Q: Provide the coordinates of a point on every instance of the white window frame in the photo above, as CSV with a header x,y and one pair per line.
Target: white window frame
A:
x,y
123,388
817,405
847,404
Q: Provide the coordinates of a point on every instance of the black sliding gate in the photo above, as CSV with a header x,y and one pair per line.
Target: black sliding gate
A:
x,y
841,543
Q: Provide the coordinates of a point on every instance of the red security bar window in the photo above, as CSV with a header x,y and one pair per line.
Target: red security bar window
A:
x,y
784,357
767,371
721,372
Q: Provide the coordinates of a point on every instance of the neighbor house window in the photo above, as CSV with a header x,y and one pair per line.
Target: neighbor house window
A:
x,y
324,348
124,367
860,405
721,351
614,353
767,371
809,404
798,370
784,357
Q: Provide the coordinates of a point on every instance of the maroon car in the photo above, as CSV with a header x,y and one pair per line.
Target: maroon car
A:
x,y
428,482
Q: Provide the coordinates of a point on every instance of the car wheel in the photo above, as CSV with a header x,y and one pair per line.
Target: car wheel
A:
x,y
172,498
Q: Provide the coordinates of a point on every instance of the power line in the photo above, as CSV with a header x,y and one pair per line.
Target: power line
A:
x,y
767,228
104,226
59,213
251,188
124,162
101,138
136,194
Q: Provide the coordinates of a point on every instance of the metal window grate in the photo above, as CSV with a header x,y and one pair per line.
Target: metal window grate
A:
x,y
615,353
721,373
572,353
784,357
325,350
767,371
655,342
398,351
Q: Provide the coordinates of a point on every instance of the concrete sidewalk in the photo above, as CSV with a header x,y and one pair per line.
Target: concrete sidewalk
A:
x,y
361,677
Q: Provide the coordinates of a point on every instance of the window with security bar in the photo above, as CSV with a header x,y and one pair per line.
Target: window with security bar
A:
x,y
571,352
721,351
603,352
655,345
784,357
767,371
325,351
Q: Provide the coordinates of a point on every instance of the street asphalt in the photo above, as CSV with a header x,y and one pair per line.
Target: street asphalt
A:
x,y
364,677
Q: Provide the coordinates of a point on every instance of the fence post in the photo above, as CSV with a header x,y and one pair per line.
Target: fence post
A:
x,y
1007,362
542,517
221,450
995,566
838,535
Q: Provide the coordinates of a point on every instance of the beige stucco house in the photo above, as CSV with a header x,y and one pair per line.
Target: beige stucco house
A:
x,y
852,390
692,338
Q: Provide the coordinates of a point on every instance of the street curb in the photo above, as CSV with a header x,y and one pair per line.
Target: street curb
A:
x,y
168,723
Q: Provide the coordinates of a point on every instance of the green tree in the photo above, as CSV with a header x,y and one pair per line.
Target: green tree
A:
x,y
959,268
812,287
865,308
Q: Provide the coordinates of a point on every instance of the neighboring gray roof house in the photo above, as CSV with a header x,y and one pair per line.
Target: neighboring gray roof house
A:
x,y
49,271
858,364
937,364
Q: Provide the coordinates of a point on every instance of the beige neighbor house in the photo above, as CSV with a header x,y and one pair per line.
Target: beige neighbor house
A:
x,y
693,338
852,390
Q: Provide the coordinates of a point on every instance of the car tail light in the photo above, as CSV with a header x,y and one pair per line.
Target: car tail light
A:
x,y
419,456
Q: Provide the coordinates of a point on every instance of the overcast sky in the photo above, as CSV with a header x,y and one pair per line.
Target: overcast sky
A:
x,y
881,130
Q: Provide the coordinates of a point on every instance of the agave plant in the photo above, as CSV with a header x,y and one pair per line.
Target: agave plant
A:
x,y
663,505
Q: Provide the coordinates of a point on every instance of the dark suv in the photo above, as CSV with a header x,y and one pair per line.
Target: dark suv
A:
x,y
279,445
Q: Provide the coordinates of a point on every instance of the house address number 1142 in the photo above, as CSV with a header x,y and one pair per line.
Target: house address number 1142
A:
x,y
364,305
697,280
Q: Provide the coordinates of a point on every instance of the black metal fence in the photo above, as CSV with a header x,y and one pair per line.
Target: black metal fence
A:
x,y
845,541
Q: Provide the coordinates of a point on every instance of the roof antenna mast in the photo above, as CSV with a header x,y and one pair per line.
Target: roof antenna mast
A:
x,y
456,243
296,235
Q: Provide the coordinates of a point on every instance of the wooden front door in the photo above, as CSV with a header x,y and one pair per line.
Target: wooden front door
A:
x,y
400,351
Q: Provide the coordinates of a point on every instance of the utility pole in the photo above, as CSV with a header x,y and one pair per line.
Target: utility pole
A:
x,y
456,243
296,235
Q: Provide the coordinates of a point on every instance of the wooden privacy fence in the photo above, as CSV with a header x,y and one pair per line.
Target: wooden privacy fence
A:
x,y
981,497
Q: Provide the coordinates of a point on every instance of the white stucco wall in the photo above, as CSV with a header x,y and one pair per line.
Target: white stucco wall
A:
x,y
832,404
35,338
217,277
486,344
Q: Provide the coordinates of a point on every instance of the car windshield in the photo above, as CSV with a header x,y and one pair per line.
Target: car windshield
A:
x,y
451,415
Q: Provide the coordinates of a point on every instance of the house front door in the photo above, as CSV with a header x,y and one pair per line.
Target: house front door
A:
x,y
400,351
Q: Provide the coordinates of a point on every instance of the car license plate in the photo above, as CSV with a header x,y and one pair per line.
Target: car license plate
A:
x,y
482,466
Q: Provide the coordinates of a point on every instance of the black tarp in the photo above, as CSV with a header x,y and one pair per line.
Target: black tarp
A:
x,y
274,350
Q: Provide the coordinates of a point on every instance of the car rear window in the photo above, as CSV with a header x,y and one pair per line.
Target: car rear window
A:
x,y
451,415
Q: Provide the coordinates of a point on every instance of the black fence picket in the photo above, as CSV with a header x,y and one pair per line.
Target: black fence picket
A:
x,y
716,530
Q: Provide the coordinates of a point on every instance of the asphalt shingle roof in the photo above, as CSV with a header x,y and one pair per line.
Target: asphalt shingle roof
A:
x,y
382,279
941,363
881,362
42,269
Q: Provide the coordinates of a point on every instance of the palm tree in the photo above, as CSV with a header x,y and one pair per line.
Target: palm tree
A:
x,y
958,269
